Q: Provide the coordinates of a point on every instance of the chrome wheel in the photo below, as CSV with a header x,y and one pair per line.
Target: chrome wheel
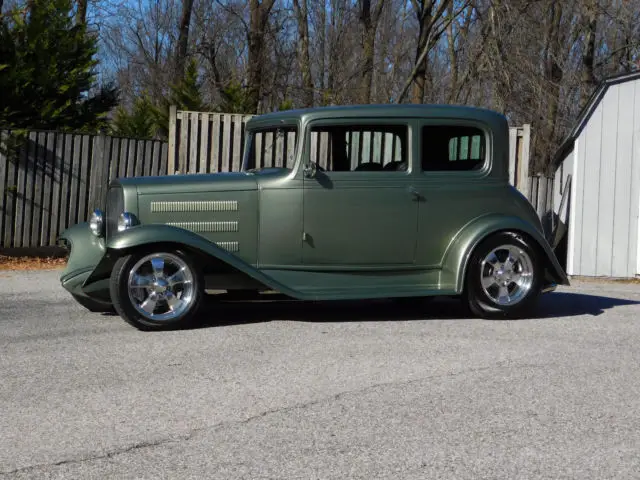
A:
x,y
161,286
507,275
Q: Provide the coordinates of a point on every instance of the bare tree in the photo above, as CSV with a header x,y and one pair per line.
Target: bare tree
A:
x,y
302,17
81,13
183,39
369,20
259,19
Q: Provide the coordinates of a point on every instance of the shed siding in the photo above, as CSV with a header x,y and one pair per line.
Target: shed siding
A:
x,y
621,255
634,210
590,166
607,199
607,168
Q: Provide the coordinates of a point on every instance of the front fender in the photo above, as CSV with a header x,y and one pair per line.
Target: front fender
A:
x,y
462,246
149,234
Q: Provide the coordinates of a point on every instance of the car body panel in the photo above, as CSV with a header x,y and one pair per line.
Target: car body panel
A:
x,y
332,235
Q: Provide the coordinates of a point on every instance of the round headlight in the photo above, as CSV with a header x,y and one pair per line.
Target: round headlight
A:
x,y
96,223
125,220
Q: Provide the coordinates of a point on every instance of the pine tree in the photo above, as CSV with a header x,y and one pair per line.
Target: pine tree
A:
x,y
48,71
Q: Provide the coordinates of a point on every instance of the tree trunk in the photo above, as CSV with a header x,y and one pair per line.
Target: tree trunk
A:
x,y
589,80
553,74
183,40
322,45
427,19
302,15
259,17
369,21
81,14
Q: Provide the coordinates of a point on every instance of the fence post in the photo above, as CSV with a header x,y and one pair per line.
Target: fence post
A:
x,y
173,121
523,170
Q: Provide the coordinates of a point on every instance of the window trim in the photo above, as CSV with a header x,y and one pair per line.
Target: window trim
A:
x,y
407,123
487,165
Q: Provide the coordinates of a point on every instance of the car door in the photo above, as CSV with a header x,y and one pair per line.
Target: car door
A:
x,y
359,210
453,181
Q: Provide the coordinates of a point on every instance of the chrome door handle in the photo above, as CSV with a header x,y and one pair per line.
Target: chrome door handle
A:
x,y
415,194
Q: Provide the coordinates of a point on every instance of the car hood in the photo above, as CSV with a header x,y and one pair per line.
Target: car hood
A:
x,y
193,183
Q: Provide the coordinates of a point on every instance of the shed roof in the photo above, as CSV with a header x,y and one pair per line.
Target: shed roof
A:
x,y
587,111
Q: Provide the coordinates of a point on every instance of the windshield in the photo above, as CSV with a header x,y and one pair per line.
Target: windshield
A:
x,y
270,148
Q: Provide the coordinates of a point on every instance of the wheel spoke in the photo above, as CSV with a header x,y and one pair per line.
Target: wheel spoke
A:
x,y
503,295
149,305
173,301
158,267
492,259
141,281
510,262
488,282
177,278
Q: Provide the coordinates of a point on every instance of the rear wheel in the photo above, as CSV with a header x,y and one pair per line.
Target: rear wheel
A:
x,y
504,277
154,291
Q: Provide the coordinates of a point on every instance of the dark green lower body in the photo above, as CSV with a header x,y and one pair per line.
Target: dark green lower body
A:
x,y
85,253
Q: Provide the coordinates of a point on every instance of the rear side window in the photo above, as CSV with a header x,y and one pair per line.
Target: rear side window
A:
x,y
448,148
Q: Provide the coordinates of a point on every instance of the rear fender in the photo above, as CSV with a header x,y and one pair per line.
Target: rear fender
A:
x,y
154,234
461,248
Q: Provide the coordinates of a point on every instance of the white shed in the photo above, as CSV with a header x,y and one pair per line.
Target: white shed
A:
x,y
598,173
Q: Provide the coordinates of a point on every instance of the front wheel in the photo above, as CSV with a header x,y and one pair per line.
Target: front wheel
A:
x,y
504,277
154,291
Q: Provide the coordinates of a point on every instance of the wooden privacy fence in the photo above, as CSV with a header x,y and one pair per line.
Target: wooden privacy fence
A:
x,y
56,179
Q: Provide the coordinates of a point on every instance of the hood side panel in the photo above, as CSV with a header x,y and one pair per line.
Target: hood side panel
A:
x,y
227,218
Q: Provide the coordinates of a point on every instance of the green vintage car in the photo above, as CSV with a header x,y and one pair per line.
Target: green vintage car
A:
x,y
350,202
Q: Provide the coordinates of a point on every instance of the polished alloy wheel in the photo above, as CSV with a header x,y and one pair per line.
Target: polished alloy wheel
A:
x,y
506,275
161,286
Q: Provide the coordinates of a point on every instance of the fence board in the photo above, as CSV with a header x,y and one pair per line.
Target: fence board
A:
x,y
204,144
162,161
74,184
237,139
21,196
10,199
226,143
83,181
9,196
46,188
182,152
123,144
66,158
131,156
56,180
513,148
3,173
173,120
193,142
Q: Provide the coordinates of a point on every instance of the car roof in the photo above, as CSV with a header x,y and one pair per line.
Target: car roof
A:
x,y
380,110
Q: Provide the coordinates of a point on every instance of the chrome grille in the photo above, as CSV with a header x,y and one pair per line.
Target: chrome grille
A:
x,y
114,207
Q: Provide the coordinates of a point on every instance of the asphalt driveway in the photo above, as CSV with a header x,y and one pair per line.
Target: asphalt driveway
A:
x,y
338,390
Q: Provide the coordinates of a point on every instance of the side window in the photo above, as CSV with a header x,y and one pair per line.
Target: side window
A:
x,y
452,148
357,148
271,147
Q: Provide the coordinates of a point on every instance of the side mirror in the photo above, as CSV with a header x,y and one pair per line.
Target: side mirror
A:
x,y
310,170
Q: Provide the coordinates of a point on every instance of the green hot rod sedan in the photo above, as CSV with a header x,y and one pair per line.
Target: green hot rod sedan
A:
x,y
349,202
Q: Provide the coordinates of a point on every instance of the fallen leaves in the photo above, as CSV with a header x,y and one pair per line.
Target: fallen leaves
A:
x,y
31,263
